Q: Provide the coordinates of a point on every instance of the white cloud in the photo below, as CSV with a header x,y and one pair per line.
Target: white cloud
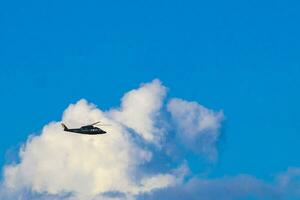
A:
x,y
58,162
198,126
140,110
62,165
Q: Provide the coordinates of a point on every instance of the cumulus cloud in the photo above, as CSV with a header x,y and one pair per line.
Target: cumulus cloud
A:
x,y
56,162
62,165
140,110
198,126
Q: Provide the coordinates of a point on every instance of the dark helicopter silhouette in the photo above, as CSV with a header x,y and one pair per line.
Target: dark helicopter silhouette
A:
x,y
87,130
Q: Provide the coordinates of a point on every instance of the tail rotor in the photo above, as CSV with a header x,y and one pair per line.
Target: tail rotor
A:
x,y
64,126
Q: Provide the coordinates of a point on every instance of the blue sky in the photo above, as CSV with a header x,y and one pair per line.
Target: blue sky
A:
x,y
237,56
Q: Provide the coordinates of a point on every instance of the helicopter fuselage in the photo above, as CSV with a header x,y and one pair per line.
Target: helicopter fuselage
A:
x,y
88,130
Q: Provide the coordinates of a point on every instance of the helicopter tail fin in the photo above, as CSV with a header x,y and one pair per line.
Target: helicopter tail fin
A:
x,y
64,126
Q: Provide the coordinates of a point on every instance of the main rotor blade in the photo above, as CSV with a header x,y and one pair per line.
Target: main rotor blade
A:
x,y
104,125
95,123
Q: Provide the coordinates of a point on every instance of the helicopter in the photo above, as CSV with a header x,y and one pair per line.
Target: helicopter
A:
x,y
87,129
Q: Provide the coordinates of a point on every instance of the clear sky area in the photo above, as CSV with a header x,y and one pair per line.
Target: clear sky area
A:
x,y
202,98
